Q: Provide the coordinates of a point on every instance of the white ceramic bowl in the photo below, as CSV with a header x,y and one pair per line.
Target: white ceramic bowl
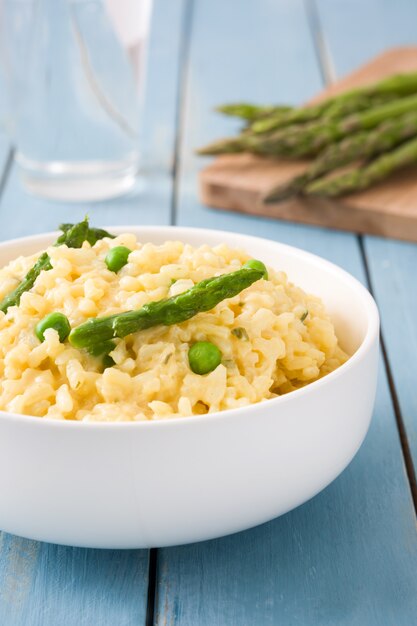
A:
x,y
136,485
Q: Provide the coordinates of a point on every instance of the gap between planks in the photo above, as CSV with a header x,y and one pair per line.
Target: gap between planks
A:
x,y
329,76
408,459
321,48
184,54
152,576
180,107
8,163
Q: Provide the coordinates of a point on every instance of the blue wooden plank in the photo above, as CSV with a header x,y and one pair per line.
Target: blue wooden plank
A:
x,y
33,215
355,30
349,556
392,266
160,114
42,584
46,585
275,35
391,263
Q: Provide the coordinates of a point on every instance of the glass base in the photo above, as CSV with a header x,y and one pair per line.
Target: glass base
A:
x,y
78,181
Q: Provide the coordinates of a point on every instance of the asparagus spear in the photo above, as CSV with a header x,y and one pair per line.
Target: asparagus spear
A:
x,y
309,139
361,145
13,298
339,109
204,296
250,112
347,102
225,146
73,236
363,177
329,109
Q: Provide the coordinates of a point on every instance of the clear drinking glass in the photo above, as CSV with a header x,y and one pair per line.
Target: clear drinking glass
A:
x,y
74,71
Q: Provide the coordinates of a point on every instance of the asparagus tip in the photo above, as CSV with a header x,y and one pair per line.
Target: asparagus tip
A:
x,y
223,146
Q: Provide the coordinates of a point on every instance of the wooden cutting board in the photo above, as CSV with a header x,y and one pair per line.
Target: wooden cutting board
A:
x,y
237,182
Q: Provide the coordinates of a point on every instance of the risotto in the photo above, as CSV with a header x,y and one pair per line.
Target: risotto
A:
x,y
270,339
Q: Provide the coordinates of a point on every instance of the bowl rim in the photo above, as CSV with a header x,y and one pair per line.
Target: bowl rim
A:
x,y
371,336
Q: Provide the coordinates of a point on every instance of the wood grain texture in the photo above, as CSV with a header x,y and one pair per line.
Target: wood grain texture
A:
x,y
349,556
43,584
46,585
391,263
238,182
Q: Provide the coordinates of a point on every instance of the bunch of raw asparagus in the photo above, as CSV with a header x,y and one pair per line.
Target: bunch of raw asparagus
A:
x,y
356,139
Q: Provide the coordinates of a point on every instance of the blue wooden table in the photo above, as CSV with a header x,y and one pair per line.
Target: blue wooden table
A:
x,y
349,556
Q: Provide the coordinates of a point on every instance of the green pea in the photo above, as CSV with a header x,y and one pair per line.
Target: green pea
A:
x,y
116,258
254,264
57,321
204,357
